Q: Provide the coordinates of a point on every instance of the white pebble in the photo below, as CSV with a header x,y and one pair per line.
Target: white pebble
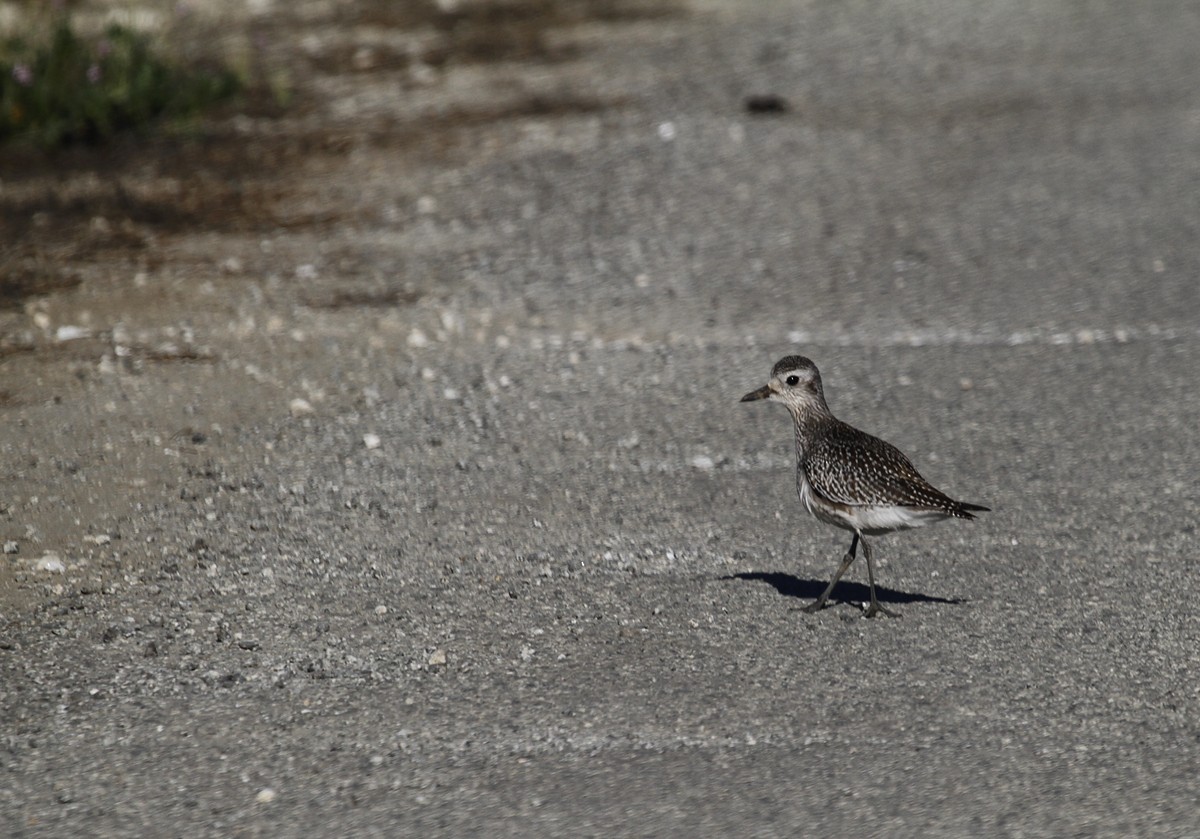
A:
x,y
417,339
437,658
69,333
11,547
666,131
703,461
381,609
372,441
527,653
451,321
450,393
265,796
301,408
52,563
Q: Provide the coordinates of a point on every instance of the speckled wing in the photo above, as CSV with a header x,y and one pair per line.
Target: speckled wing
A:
x,y
851,467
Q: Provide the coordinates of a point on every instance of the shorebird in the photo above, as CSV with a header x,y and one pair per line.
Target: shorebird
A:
x,y
849,478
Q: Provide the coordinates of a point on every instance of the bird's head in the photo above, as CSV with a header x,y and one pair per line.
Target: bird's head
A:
x,y
796,382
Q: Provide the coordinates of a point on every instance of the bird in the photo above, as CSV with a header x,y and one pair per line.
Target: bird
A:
x,y
849,478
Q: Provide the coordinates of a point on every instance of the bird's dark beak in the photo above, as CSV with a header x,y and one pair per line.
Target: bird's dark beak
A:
x,y
754,395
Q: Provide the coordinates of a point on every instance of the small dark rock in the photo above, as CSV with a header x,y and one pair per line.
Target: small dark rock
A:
x,y
765,103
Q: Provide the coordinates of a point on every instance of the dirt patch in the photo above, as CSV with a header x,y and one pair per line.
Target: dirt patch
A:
x,y
343,298
20,281
499,20
161,295
234,174
447,34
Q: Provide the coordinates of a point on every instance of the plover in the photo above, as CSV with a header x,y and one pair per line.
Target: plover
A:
x,y
849,478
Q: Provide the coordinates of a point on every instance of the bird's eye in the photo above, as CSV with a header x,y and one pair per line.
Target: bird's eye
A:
x,y
793,381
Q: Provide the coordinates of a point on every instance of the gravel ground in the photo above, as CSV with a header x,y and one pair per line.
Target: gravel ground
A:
x,y
388,477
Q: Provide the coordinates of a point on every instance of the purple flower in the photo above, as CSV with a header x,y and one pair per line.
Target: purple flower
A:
x,y
22,74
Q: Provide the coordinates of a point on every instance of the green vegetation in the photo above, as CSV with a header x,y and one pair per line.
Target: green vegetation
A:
x,y
60,88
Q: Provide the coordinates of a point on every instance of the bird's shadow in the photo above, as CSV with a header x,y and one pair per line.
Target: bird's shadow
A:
x,y
845,592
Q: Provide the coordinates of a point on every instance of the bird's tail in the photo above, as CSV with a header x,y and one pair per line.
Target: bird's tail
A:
x,y
964,509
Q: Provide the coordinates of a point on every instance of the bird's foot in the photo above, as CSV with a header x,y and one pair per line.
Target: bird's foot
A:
x,y
814,607
874,609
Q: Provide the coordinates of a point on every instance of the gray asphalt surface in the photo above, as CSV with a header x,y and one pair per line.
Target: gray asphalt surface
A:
x,y
561,597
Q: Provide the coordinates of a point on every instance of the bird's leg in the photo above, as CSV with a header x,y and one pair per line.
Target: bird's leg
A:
x,y
874,608
819,603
